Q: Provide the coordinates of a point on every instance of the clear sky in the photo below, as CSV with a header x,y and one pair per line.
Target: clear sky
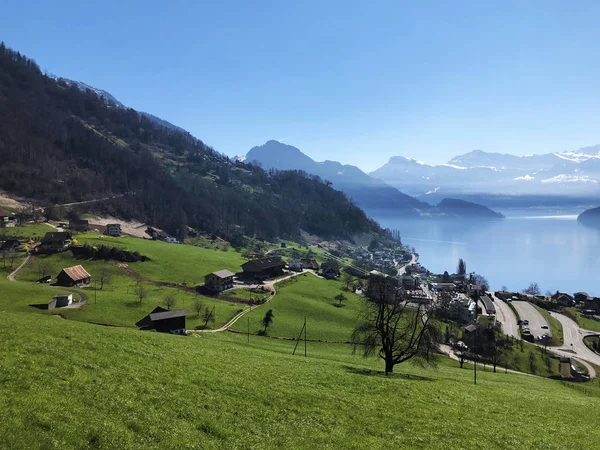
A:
x,y
356,82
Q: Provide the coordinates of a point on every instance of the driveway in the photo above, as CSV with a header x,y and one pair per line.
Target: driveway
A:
x,y
506,317
536,320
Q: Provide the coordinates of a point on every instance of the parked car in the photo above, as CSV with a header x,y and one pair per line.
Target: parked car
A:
x,y
525,322
545,327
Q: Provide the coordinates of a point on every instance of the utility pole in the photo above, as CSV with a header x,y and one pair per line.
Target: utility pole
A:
x,y
248,329
95,291
476,346
305,336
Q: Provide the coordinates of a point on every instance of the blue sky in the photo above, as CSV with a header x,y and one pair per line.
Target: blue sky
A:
x,y
356,82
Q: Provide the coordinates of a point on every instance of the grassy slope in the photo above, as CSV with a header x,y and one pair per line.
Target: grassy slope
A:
x,y
309,297
172,263
585,322
72,385
555,327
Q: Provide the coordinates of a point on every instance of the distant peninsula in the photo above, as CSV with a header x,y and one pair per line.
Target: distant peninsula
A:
x,y
590,217
455,208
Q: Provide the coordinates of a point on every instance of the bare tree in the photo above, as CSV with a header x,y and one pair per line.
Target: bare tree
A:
x,y
461,351
198,307
44,267
503,288
169,301
104,277
208,316
394,329
532,289
481,281
140,292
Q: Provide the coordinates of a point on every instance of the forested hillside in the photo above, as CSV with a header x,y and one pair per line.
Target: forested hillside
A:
x,y
59,144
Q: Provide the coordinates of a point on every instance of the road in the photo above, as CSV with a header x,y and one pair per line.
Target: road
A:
x,y
573,342
92,201
13,274
506,317
536,320
413,261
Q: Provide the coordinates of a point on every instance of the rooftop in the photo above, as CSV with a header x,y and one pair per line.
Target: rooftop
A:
x,y
223,273
168,315
76,273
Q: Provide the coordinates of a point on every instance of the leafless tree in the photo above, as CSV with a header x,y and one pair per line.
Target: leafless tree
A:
x,y
198,307
393,328
44,267
169,301
208,316
104,276
140,292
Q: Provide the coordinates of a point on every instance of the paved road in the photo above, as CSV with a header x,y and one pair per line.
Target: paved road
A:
x,y
573,341
536,320
506,317
402,270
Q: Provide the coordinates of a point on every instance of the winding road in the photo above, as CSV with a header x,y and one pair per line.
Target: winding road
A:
x,y
573,343
537,322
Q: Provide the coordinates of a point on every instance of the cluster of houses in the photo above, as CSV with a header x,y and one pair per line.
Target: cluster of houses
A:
x,y
7,220
264,268
83,225
382,259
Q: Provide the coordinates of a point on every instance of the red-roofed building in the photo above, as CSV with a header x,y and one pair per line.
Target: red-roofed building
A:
x,y
72,276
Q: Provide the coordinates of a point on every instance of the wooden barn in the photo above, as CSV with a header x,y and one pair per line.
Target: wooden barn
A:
x,y
73,276
79,225
263,268
56,241
164,321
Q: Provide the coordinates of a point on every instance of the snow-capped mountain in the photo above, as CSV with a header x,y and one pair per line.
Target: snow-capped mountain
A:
x,y
566,173
112,101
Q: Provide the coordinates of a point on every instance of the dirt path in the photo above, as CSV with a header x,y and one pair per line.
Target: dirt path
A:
x,y
11,276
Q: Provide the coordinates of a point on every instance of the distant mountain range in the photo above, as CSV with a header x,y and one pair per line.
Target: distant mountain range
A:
x,y
575,173
111,101
372,195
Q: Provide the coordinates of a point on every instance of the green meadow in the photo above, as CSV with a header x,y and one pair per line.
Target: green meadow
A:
x,y
72,385
307,296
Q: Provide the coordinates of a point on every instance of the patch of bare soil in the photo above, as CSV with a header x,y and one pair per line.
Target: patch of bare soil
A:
x,y
131,227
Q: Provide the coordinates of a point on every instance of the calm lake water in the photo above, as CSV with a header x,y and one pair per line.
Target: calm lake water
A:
x,y
554,250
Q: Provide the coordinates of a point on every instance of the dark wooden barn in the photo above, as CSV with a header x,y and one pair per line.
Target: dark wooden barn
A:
x,y
164,321
263,268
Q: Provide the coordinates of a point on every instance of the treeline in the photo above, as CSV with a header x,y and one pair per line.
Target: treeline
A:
x,y
61,145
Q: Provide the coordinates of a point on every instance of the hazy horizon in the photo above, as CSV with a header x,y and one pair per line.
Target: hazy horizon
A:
x,y
341,81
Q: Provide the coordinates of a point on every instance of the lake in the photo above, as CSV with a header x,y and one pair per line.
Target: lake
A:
x,y
555,251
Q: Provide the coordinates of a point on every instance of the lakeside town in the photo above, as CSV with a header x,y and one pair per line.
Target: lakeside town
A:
x,y
461,299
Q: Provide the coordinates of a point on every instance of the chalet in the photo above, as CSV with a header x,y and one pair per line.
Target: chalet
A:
x,y
330,270
73,276
63,300
79,225
56,241
263,268
309,264
164,321
10,246
580,297
219,281
469,329
295,265
113,229
563,299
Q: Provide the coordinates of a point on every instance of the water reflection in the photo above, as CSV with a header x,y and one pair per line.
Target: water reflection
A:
x,y
559,253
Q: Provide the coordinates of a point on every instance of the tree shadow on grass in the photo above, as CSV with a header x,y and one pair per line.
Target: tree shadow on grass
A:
x,y
380,373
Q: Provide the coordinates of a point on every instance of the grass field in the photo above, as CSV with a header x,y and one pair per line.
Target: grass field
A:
x,y
311,297
29,230
116,304
555,327
68,385
174,263
587,323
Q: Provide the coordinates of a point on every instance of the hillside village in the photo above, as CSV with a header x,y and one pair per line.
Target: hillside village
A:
x,y
456,299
